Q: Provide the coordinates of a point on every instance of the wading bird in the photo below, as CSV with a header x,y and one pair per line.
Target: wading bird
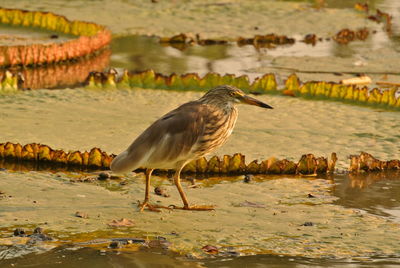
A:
x,y
187,133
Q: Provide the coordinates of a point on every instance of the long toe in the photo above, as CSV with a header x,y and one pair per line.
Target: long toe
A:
x,y
150,207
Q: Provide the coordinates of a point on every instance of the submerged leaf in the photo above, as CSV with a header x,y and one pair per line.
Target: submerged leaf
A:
x,y
121,223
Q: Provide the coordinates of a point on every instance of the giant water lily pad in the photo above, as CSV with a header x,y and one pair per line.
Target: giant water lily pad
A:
x,y
17,35
208,18
91,38
292,128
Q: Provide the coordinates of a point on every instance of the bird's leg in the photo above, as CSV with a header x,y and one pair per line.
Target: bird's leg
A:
x,y
177,180
147,194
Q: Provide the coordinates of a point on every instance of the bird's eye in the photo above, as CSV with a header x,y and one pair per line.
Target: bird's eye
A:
x,y
232,94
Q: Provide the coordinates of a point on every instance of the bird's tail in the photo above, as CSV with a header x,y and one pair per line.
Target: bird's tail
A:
x,y
122,163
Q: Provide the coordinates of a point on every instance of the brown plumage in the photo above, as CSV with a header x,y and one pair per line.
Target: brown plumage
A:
x,y
187,133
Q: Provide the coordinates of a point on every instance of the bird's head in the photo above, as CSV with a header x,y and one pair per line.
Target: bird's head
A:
x,y
231,95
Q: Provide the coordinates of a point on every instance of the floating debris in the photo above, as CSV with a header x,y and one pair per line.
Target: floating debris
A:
x,y
162,191
269,40
37,235
82,215
208,42
346,36
248,178
121,223
181,41
362,7
158,242
310,39
383,17
19,232
379,17
2,194
210,249
115,245
103,176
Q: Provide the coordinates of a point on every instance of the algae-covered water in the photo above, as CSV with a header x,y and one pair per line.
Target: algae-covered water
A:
x,y
341,220
282,220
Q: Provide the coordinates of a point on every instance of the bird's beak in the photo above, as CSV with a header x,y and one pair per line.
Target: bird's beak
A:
x,y
252,101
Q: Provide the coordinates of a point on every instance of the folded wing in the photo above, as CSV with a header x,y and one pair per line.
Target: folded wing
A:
x,y
168,142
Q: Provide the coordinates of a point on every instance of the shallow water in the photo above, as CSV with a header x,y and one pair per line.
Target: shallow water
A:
x,y
374,193
355,218
90,258
267,212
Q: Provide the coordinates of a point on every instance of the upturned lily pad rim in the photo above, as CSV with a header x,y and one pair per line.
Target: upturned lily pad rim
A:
x,y
91,38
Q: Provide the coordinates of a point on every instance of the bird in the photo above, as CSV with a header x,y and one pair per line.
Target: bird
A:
x,y
186,133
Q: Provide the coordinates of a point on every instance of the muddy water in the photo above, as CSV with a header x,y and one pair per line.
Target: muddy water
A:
x,y
90,258
354,220
375,193
272,216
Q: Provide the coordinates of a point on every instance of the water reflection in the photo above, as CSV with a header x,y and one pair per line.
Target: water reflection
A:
x,y
140,53
86,257
62,75
377,193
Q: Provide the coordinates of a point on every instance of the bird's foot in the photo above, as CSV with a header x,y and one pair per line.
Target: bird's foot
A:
x,y
154,208
195,207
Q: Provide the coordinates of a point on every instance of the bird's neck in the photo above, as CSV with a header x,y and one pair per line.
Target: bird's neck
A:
x,y
220,103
